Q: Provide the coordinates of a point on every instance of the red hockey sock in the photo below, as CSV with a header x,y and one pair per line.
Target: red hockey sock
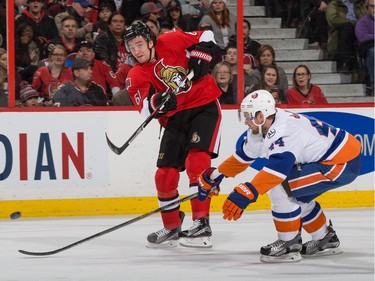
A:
x,y
196,162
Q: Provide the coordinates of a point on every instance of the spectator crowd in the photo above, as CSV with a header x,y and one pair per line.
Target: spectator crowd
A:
x,y
72,53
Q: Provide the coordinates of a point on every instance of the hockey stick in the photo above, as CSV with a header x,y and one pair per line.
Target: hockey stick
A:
x,y
119,150
47,253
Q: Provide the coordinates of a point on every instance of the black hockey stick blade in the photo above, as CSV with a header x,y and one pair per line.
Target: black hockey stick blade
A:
x,y
119,150
48,253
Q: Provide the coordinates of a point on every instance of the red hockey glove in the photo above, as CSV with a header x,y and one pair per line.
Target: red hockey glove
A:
x,y
242,195
209,179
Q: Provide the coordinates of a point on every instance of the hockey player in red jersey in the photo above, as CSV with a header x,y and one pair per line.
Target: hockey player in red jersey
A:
x,y
191,120
306,157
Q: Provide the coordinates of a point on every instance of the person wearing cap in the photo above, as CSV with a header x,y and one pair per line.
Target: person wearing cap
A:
x,y
223,22
174,16
48,78
43,24
102,73
109,46
82,91
29,96
78,11
150,10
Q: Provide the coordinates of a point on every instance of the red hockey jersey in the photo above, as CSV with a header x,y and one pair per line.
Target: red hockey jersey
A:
x,y
167,71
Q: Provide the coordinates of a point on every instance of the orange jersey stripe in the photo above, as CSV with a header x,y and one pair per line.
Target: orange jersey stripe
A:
x,y
315,224
348,151
287,226
308,180
232,167
335,172
264,181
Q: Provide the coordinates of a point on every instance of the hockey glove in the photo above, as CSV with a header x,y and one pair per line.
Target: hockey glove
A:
x,y
200,58
242,195
209,179
168,102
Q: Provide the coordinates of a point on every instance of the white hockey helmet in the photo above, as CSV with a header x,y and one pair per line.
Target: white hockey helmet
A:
x,y
260,100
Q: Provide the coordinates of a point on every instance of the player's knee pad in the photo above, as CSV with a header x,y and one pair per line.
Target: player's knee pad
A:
x,y
280,200
166,180
196,161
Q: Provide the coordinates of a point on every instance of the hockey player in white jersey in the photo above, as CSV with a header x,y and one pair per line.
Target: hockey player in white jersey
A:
x,y
306,157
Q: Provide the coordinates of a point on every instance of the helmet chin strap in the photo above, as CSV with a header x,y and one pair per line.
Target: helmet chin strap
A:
x,y
259,126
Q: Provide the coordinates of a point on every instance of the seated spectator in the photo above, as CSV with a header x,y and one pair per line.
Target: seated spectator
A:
x,y
68,39
105,11
28,96
222,22
315,26
250,46
223,77
303,91
342,16
3,32
175,17
82,91
78,11
153,25
4,78
149,9
102,73
249,64
232,59
109,46
44,25
27,52
266,56
364,31
195,10
130,10
270,81
47,79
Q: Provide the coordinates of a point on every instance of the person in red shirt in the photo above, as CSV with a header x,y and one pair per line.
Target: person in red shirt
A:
x,y
47,79
102,73
303,91
191,119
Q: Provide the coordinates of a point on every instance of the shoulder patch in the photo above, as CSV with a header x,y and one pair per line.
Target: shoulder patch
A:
x,y
271,133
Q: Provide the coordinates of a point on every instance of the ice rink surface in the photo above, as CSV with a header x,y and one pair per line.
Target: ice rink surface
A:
x,y
122,256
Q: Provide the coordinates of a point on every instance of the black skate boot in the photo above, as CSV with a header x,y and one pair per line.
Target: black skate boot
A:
x,y
282,251
326,246
197,236
165,238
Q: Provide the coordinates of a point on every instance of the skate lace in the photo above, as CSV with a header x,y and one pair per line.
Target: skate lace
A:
x,y
162,232
312,244
196,225
276,244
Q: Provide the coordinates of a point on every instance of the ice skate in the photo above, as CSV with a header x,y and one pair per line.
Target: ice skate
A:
x,y
326,246
197,236
282,251
165,238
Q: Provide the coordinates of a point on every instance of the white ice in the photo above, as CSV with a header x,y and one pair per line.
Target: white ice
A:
x,y
122,256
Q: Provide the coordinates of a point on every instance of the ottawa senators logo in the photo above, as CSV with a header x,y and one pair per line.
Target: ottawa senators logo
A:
x,y
172,77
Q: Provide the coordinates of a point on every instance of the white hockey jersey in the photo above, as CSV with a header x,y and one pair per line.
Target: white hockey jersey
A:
x,y
291,139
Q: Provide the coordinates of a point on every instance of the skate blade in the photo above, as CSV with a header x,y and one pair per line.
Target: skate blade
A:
x,y
198,242
291,257
325,252
166,244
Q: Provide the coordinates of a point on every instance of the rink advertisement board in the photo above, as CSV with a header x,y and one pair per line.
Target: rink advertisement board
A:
x,y
59,163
